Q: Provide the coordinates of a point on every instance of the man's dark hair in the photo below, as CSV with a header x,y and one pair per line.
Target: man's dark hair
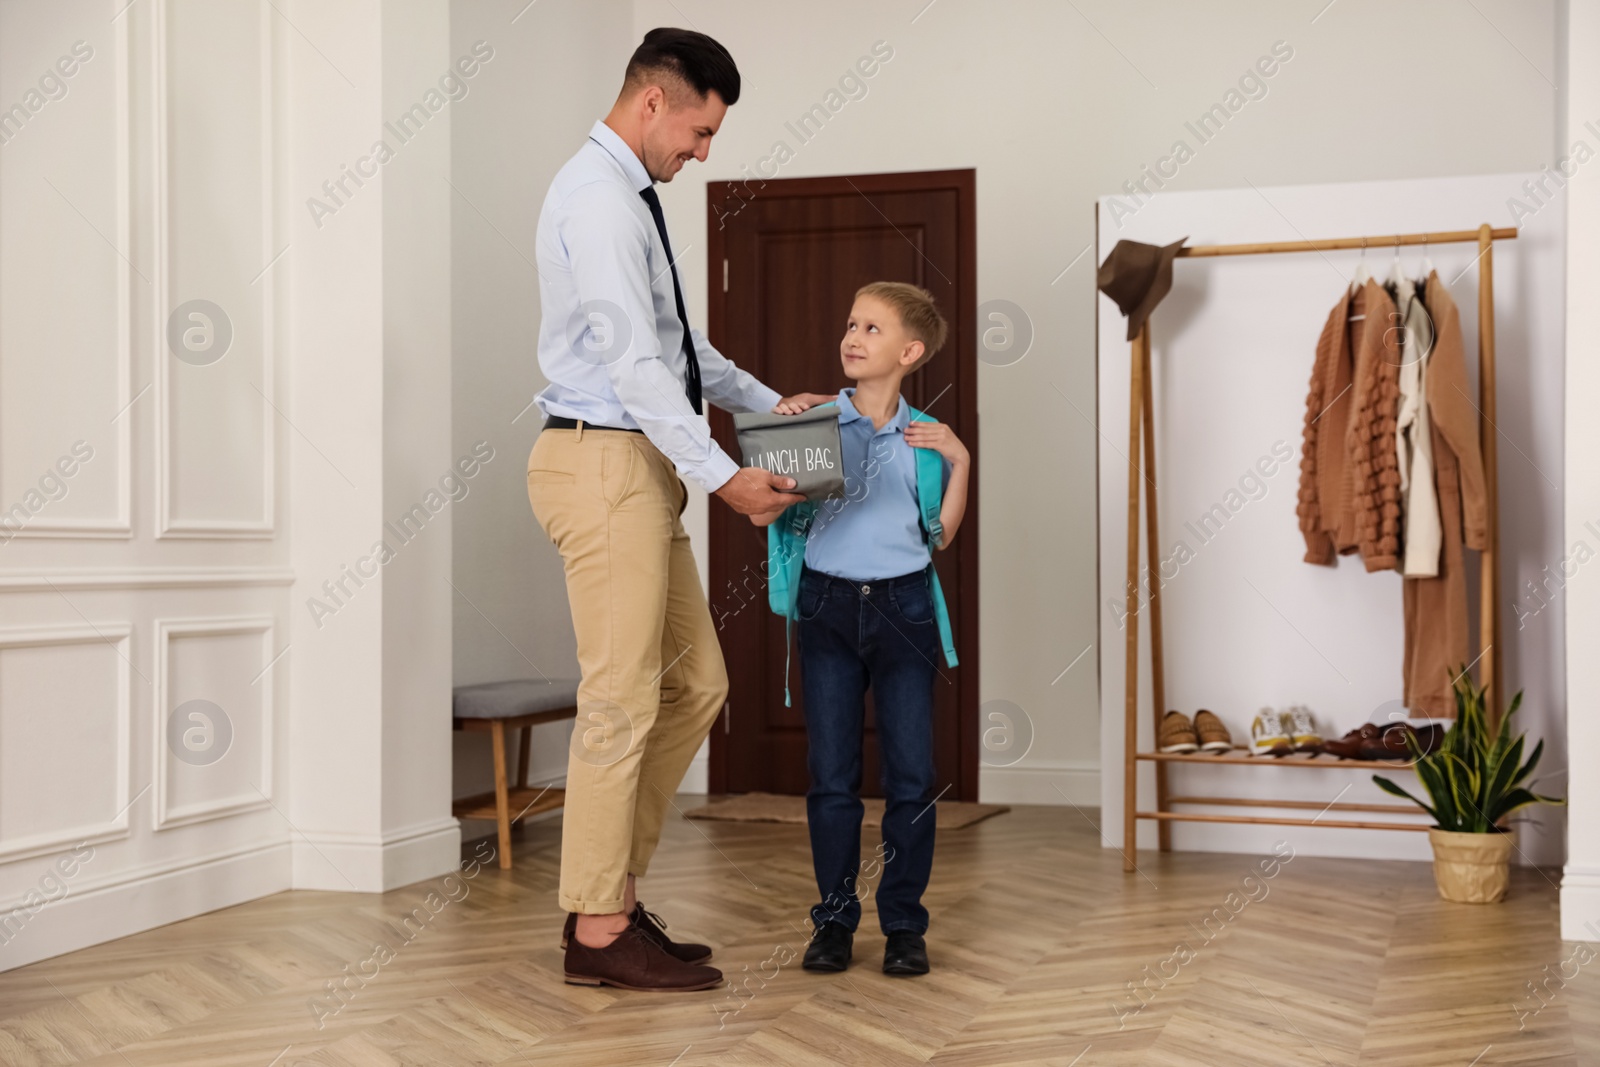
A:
x,y
692,58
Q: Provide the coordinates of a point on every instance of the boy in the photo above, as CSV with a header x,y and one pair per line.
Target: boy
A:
x,y
869,613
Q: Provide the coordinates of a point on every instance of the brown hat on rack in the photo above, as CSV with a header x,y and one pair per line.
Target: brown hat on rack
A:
x,y
1137,276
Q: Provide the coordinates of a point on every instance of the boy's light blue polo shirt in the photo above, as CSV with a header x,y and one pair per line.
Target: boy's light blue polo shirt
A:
x,y
875,531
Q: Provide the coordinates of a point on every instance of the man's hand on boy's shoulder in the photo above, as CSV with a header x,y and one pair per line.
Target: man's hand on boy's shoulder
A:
x,y
938,437
794,405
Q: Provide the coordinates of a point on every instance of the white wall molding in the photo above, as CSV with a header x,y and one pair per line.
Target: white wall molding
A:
x,y
120,525
167,525
116,635
1580,903
86,578
375,863
165,815
141,898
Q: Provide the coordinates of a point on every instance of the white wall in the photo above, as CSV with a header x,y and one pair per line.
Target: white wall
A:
x,y
421,470
555,70
1246,622
1580,886
369,337
1055,105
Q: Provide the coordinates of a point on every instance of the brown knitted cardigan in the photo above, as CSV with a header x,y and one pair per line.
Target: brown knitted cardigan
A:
x,y
1349,464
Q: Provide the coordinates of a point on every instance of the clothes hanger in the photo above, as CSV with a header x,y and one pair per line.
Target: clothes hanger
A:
x,y
1395,274
1427,264
1362,277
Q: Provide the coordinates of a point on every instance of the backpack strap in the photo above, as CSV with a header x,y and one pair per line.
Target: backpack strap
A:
x,y
930,500
930,487
786,557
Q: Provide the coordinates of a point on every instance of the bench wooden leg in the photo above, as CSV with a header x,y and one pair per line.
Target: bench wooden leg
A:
x,y
522,757
502,804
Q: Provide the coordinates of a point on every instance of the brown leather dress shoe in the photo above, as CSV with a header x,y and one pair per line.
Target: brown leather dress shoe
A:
x,y
1392,743
636,963
1384,741
1350,745
652,926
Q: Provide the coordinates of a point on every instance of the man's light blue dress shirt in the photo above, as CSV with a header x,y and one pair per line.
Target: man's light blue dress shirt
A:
x,y
610,342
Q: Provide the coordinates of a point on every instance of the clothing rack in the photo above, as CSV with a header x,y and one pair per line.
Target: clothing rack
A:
x,y
1141,437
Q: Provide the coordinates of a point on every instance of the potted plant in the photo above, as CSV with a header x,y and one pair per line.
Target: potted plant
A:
x,y
1475,778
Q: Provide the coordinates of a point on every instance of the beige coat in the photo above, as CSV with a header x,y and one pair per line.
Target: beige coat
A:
x,y
1420,533
1436,608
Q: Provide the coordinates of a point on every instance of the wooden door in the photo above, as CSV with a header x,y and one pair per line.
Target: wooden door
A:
x,y
786,259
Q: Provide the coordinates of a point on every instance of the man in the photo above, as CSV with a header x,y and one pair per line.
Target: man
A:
x,y
628,378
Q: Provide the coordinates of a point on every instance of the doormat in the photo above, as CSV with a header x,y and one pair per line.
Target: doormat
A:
x,y
769,807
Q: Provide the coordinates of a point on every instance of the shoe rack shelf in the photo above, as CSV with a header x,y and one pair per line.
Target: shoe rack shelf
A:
x,y
1141,439
1241,757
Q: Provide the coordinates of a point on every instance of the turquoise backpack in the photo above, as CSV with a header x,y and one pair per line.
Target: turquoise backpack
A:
x,y
786,553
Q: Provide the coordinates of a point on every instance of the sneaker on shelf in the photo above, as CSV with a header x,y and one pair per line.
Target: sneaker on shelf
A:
x,y
1303,729
1214,736
1177,734
1268,734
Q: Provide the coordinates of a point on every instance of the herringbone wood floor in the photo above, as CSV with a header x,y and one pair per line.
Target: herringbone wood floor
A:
x,y
1037,935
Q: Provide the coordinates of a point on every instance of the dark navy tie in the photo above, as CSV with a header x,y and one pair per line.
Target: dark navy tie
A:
x,y
692,384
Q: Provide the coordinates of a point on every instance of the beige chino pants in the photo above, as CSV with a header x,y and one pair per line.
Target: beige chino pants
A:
x,y
653,676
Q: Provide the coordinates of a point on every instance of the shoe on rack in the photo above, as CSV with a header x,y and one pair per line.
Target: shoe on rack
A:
x,y
905,953
1177,734
1214,736
1269,734
1392,742
652,926
636,963
1429,737
1303,729
829,950
1350,745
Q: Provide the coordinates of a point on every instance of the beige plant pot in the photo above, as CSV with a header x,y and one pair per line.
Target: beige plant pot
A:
x,y
1471,868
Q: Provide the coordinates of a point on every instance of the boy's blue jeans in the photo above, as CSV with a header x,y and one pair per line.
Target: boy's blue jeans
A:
x,y
852,635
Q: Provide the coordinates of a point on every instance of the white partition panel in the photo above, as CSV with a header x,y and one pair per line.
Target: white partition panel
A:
x,y
1247,623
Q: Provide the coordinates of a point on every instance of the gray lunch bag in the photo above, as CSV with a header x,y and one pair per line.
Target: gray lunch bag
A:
x,y
804,447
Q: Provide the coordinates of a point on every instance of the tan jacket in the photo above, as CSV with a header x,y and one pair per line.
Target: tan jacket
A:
x,y
1453,411
1349,465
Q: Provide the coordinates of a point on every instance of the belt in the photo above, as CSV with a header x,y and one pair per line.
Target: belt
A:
x,y
561,422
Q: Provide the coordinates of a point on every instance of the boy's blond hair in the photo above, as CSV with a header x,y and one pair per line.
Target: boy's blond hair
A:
x,y
917,312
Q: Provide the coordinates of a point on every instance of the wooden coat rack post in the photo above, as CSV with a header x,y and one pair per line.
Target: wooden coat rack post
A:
x,y
1141,443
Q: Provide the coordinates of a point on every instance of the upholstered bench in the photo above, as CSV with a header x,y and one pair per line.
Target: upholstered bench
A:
x,y
494,708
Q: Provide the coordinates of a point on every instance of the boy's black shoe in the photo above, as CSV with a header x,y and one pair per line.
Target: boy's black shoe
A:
x,y
829,949
905,953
